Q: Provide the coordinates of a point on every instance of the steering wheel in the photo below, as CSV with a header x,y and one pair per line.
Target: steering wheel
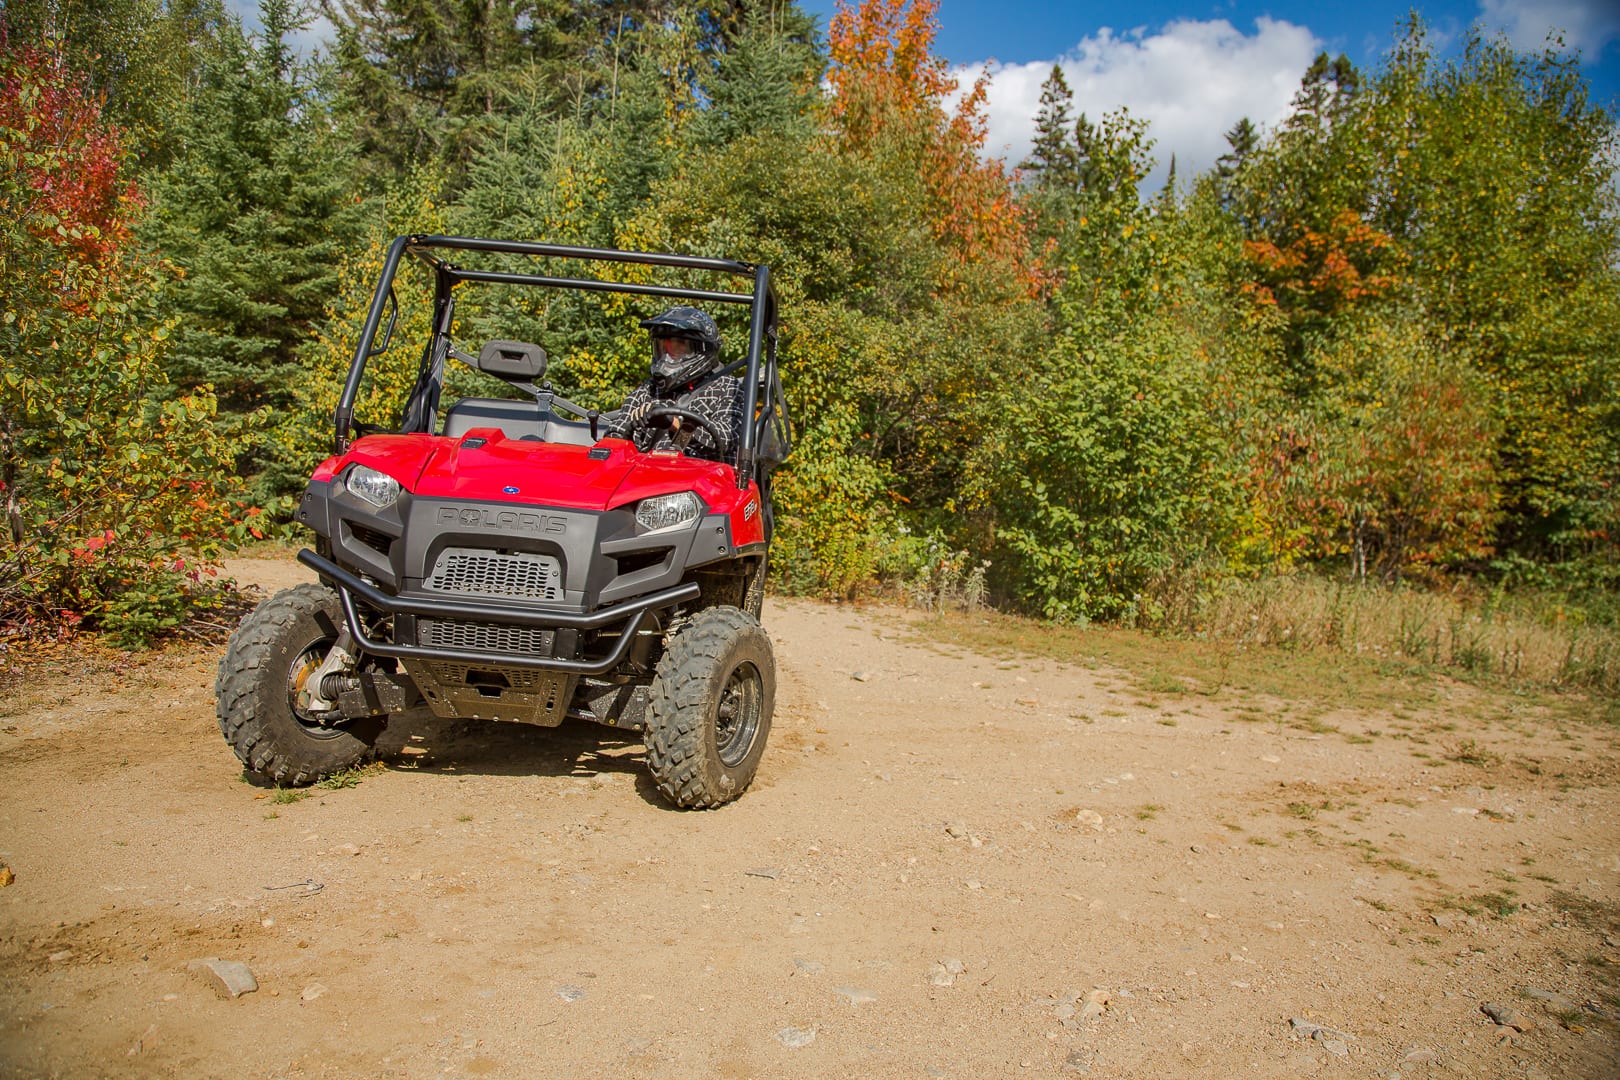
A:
x,y
666,413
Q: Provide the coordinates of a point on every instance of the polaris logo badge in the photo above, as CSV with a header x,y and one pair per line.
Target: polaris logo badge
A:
x,y
471,517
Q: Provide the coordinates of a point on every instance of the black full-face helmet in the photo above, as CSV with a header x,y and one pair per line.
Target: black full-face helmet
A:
x,y
685,345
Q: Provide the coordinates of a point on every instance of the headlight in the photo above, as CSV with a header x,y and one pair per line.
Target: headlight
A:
x,y
377,488
668,511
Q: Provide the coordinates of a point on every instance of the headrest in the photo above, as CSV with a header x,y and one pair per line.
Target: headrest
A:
x,y
512,360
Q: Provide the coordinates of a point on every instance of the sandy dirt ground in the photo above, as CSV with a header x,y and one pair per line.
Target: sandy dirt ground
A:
x,y
951,865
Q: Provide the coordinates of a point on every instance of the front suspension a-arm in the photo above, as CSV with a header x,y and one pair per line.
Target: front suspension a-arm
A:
x,y
312,697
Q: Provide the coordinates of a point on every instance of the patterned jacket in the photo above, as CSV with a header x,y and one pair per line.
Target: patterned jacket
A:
x,y
720,401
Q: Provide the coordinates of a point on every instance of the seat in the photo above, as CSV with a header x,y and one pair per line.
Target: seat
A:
x,y
516,420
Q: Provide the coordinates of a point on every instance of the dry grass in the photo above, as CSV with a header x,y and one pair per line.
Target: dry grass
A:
x,y
1188,667
1475,635
1311,641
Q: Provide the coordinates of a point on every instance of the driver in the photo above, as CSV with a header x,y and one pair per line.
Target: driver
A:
x,y
685,374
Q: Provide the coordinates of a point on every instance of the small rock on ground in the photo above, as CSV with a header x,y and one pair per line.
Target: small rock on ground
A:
x,y
793,1038
229,978
1089,819
1306,1029
1507,1016
1553,1002
1095,1004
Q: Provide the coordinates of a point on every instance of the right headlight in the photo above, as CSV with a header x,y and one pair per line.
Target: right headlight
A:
x,y
668,511
377,488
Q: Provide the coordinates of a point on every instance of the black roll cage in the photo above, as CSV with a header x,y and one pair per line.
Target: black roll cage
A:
x,y
761,370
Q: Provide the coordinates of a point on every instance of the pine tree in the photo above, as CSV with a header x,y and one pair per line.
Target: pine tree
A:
x,y
1167,194
766,80
1244,139
1054,160
412,73
428,80
1326,91
255,214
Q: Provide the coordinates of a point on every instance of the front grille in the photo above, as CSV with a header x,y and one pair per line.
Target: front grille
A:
x,y
483,637
490,573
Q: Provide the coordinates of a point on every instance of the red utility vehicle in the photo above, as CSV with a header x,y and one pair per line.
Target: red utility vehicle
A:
x,y
516,560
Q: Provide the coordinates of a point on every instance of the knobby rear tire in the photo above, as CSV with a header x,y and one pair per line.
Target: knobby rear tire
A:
x,y
278,642
709,714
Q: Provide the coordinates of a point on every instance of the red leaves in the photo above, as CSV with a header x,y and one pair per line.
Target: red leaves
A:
x,y
70,161
90,550
1323,273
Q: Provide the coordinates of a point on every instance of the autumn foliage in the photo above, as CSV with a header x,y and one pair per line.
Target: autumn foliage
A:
x,y
1325,272
116,493
889,92
71,176
1379,339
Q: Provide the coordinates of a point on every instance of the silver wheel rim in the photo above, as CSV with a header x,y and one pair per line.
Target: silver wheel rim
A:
x,y
736,720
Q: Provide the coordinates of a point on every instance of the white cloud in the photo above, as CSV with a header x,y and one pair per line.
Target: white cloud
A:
x,y
1191,80
1587,25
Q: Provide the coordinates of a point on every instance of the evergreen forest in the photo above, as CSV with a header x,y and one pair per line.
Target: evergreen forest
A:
x,y
1376,345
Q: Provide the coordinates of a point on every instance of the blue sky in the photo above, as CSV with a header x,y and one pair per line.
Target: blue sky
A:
x,y
1194,68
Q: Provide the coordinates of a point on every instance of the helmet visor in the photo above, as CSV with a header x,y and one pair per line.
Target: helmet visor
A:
x,y
673,348
677,361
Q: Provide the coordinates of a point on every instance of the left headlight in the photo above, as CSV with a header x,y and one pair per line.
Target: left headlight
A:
x,y
377,488
668,511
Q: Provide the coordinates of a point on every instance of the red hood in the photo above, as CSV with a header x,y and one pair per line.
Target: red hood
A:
x,y
543,474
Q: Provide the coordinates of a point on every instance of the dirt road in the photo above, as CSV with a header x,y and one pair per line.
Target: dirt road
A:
x,y
952,865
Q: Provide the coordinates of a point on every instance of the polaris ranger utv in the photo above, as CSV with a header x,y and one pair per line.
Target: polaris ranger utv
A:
x,y
518,558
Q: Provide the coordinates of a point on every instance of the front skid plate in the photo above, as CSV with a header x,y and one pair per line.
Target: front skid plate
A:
x,y
470,692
